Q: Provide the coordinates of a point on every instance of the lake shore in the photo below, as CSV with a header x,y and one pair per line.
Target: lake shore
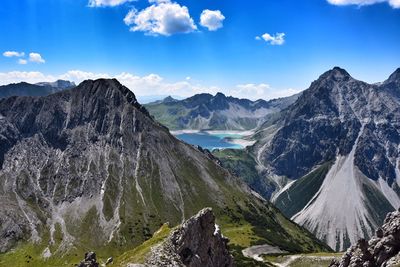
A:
x,y
237,139
214,132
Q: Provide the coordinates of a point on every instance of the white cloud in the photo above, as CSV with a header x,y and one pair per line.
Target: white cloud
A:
x,y
79,76
163,17
277,39
13,54
24,76
260,91
250,89
36,58
104,3
393,3
152,84
22,61
212,19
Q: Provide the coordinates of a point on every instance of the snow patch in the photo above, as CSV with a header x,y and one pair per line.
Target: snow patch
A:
x,y
217,229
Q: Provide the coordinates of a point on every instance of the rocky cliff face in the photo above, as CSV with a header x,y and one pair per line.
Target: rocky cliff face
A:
x,y
219,112
89,168
196,243
383,249
334,158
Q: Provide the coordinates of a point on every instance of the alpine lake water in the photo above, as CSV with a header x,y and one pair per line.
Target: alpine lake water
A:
x,y
212,140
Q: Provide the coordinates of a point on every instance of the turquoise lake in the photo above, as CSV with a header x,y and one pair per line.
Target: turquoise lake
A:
x,y
210,141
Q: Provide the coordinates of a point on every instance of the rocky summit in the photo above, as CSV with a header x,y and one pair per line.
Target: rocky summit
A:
x,y
383,249
196,243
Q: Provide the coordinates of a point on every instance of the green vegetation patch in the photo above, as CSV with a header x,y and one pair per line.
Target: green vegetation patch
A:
x,y
301,191
138,254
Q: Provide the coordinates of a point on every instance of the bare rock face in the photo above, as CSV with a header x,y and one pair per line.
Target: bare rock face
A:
x,y
197,243
381,250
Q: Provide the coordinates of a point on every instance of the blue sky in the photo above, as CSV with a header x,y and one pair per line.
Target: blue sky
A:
x,y
297,41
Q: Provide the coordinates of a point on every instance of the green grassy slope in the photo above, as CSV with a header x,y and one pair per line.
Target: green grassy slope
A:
x,y
301,191
168,115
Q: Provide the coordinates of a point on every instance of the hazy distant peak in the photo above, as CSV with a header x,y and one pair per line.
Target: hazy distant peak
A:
x,y
61,84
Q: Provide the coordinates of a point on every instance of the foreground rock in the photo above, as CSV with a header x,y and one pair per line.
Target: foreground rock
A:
x,y
89,261
197,243
382,250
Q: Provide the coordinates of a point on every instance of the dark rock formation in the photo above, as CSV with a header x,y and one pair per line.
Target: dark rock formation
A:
x,y
197,243
381,250
89,261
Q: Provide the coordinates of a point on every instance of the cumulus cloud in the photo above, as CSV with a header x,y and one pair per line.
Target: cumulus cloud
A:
x,y
261,91
36,58
277,39
250,89
24,76
163,17
212,19
152,84
104,3
13,54
393,3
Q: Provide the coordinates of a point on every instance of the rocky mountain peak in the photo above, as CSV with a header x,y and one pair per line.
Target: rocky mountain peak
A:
x,y
394,77
169,99
197,242
109,90
220,95
337,74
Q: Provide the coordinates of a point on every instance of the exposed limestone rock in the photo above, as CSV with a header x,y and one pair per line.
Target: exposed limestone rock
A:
x,y
382,250
197,243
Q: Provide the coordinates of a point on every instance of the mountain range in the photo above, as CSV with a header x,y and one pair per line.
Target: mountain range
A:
x,y
89,167
330,161
39,89
219,112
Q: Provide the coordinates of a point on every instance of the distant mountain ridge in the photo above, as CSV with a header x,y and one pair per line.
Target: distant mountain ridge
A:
x,y
219,112
39,89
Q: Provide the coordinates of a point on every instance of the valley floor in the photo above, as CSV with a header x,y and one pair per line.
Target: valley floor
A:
x,y
302,260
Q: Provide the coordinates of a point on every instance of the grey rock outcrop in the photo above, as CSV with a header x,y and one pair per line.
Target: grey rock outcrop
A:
x,y
196,243
89,261
382,250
